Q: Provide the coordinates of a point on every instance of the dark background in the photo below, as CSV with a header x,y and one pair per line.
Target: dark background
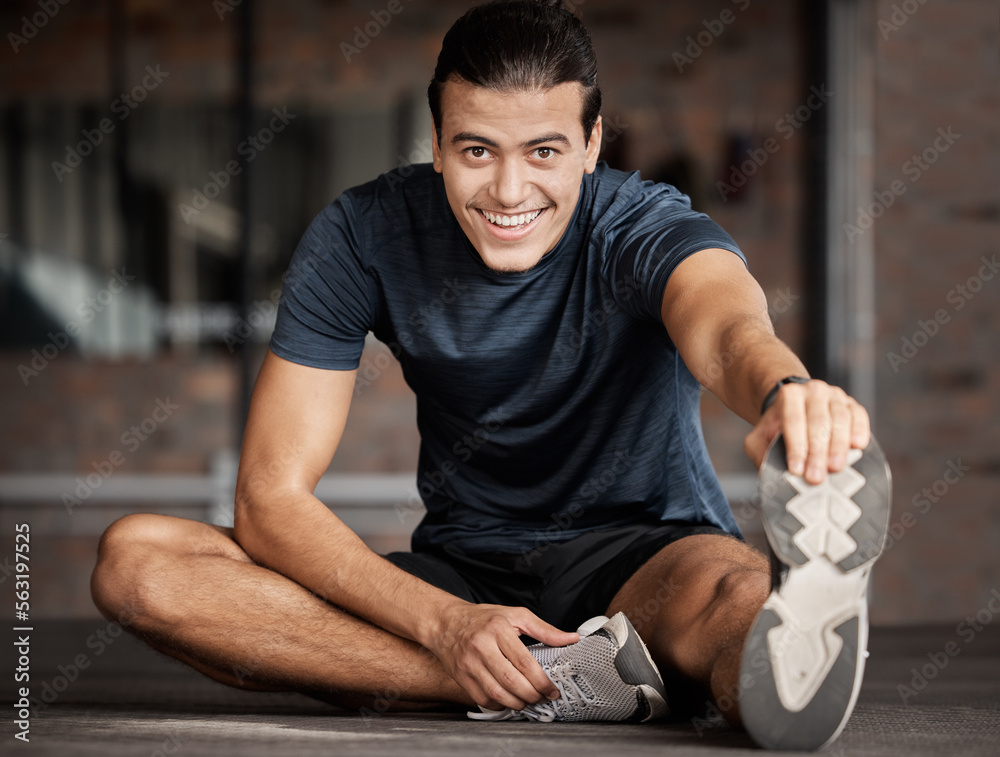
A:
x,y
84,357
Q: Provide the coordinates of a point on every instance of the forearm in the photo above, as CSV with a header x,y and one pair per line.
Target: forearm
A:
x,y
752,361
297,536
716,315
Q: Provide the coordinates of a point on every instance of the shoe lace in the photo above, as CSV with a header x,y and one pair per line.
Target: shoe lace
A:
x,y
572,697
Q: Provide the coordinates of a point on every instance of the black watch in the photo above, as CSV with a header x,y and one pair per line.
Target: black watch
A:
x,y
773,394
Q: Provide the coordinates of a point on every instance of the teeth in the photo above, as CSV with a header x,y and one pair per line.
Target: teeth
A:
x,y
508,221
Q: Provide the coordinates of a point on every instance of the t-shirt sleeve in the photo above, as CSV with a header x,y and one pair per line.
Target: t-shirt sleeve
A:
x,y
648,240
326,307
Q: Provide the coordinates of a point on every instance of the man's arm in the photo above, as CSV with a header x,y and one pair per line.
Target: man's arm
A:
x,y
716,314
297,417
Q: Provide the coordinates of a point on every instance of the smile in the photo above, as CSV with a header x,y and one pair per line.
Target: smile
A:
x,y
510,221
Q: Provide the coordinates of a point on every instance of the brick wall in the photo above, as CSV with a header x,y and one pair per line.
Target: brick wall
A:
x,y
173,413
939,401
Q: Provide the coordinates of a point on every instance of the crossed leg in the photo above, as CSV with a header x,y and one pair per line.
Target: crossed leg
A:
x,y
693,604
190,591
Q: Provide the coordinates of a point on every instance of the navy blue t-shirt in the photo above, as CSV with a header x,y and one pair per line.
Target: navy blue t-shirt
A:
x,y
550,402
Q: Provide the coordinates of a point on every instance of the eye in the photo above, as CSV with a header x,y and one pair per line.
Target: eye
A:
x,y
545,152
476,152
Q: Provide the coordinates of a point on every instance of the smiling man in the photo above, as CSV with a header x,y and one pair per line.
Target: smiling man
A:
x,y
576,313
513,183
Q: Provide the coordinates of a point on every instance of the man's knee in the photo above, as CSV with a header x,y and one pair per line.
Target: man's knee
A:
x,y
125,556
130,532
741,587
737,577
721,605
129,540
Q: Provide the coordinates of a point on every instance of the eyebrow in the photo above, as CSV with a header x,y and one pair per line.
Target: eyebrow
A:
x,y
468,136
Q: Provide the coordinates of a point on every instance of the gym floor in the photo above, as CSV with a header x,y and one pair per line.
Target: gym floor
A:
x,y
106,694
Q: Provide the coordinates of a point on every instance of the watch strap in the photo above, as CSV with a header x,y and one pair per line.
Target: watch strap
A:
x,y
773,394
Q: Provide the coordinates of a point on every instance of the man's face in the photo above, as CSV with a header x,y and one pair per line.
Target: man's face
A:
x,y
512,165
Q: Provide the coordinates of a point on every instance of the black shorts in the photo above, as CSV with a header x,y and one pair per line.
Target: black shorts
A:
x,y
562,583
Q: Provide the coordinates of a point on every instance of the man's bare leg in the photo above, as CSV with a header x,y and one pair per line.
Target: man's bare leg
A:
x,y
189,590
693,604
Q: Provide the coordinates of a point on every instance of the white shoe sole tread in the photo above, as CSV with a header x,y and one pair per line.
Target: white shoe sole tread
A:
x,y
804,656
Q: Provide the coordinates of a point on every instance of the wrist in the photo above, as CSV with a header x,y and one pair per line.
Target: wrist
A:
x,y
772,395
433,624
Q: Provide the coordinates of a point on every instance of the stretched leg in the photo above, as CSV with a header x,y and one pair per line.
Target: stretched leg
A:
x,y
693,604
190,591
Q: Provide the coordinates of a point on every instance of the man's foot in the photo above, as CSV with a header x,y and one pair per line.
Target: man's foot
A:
x,y
805,655
607,675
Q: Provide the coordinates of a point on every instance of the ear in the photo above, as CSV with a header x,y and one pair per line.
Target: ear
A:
x,y
594,146
435,147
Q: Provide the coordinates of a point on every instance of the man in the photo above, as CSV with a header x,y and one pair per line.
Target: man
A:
x,y
554,318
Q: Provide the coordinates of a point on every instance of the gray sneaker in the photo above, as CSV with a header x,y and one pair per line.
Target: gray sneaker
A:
x,y
805,655
607,675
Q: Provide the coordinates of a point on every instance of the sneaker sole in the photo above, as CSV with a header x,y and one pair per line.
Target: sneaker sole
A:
x,y
804,658
636,667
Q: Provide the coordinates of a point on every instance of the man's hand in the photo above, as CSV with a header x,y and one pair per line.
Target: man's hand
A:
x,y
820,424
479,646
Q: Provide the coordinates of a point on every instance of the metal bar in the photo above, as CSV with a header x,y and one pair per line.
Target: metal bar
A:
x,y
374,489
850,321
244,107
815,251
182,489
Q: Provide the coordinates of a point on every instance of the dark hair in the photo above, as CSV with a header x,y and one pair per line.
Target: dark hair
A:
x,y
517,46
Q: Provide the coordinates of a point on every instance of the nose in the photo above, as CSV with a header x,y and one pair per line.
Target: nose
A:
x,y
510,183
